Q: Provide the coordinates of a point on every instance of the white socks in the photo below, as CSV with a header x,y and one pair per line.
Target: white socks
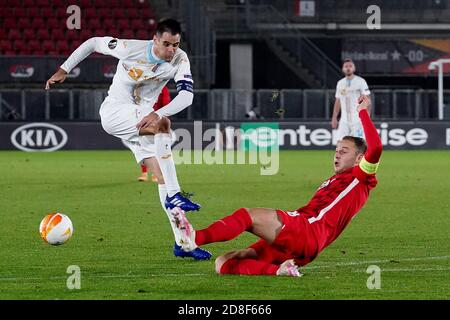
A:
x,y
163,144
162,197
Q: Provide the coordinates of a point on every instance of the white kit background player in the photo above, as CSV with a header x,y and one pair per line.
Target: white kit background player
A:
x,y
144,68
348,90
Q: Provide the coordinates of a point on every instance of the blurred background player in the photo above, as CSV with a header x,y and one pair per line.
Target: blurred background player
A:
x,y
144,68
348,90
163,99
294,238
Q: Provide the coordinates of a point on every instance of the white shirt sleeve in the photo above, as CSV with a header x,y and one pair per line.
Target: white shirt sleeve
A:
x,y
104,45
179,103
364,88
337,94
184,70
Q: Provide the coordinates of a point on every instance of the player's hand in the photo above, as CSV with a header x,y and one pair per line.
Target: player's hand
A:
x,y
148,120
334,123
364,103
58,77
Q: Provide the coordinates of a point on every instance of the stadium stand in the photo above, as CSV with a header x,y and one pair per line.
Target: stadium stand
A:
x,y
38,27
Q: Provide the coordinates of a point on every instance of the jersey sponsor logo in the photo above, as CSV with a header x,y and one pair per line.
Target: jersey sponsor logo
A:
x,y
39,137
21,70
112,44
326,183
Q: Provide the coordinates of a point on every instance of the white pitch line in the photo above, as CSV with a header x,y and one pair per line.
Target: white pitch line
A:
x,y
355,263
339,264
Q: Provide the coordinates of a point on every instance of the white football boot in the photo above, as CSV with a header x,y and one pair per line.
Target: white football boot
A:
x,y
187,232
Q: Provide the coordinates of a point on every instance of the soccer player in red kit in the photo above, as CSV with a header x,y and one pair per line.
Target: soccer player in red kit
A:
x,y
163,99
294,238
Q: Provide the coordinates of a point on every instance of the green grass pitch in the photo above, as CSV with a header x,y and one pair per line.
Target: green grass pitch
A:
x,y
123,242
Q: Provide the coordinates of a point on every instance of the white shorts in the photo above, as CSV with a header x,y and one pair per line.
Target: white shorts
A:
x,y
120,119
354,129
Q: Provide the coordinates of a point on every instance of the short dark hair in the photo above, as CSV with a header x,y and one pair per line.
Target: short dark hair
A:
x,y
168,25
360,143
347,60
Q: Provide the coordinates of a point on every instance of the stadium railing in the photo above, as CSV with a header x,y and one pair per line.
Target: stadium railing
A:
x,y
222,104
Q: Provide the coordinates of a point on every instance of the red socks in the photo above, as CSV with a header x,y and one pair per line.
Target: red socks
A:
x,y
225,229
248,267
143,168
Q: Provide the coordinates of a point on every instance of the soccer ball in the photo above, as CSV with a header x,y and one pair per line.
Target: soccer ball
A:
x,y
56,228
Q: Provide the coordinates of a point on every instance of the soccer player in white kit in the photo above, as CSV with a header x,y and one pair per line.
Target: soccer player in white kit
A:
x,y
348,90
144,68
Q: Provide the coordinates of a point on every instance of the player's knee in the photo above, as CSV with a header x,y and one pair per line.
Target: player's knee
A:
x,y
220,261
164,125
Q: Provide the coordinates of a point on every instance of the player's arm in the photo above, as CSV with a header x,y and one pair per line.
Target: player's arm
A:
x,y
184,98
369,163
104,45
336,110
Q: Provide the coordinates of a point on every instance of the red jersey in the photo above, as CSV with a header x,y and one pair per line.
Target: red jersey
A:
x,y
340,197
163,99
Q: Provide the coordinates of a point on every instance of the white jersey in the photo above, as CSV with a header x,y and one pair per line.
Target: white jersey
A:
x,y
348,92
140,76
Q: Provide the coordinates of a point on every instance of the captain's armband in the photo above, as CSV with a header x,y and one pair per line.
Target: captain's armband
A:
x,y
367,167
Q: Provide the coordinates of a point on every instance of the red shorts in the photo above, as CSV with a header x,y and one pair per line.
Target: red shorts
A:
x,y
295,241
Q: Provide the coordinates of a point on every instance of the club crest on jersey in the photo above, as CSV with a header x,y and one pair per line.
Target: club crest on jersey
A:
x,y
344,91
326,183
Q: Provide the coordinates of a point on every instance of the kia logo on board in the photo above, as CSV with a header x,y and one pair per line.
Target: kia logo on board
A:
x,y
37,136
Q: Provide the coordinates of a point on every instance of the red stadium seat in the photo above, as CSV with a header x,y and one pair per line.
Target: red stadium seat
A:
x,y
43,3
123,24
109,24
94,24
6,12
34,46
143,35
19,12
133,13
86,4
58,34
54,23
9,23
29,3
73,34
118,13
3,34
10,53
5,45
100,3
14,3
75,44
14,34
47,13
114,3
23,23
104,13
89,13
33,12
142,4
38,23
85,34
147,13
59,3
62,46
28,34
137,24
20,45
127,34
43,34
127,4
61,13
48,45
